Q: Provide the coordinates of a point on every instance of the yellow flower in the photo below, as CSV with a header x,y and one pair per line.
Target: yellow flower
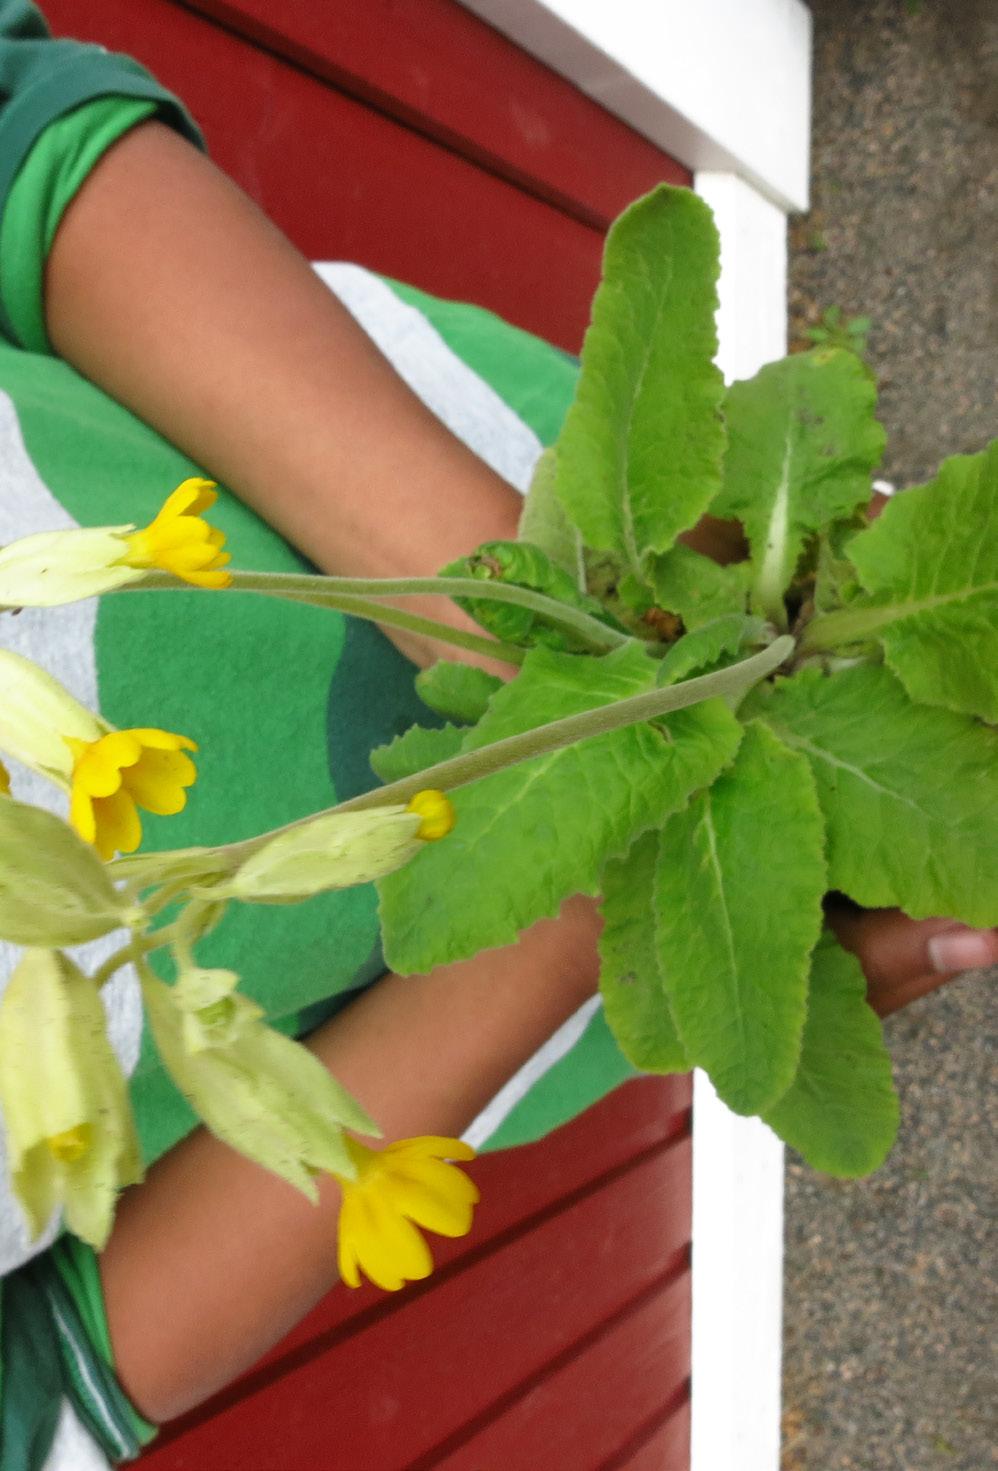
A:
x,y
4,781
70,1134
179,541
108,773
118,773
405,1185
53,567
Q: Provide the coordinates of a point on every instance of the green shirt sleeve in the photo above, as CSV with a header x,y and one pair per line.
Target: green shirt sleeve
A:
x,y
54,1345
42,81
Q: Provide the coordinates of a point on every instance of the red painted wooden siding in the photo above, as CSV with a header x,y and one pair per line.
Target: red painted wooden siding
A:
x,y
409,136
557,1336
488,179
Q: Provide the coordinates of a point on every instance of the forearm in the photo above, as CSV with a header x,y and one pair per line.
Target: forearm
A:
x,y
170,290
212,1260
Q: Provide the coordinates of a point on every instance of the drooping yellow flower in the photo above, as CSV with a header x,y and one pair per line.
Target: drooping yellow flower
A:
x,y
108,773
407,1184
180,541
53,567
70,1133
119,773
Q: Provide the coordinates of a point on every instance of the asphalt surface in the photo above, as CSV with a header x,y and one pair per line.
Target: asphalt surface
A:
x,y
891,1300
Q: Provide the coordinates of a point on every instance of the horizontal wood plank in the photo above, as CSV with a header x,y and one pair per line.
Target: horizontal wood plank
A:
x,y
579,1413
392,1384
347,182
425,62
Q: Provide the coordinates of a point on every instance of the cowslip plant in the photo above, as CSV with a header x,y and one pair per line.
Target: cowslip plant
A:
x,y
709,749
863,762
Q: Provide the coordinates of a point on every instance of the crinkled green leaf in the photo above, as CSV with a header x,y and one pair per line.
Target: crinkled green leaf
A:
x,y
740,880
544,521
841,1110
522,565
929,565
458,691
910,793
802,444
634,1000
639,454
711,646
697,588
528,837
416,748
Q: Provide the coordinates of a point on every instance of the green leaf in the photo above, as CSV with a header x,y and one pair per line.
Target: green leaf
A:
x,y
910,793
711,647
529,836
802,444
698,588
634,1000
522,565
929,565
740,880
841,1111
545,524
417,748
639,454
459,691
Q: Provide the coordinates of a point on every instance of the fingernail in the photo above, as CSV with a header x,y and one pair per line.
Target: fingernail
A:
x,y
961,949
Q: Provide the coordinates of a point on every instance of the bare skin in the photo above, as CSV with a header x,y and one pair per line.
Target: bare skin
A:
x,y
278,394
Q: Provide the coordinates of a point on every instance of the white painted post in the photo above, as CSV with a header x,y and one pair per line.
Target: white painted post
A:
x,y
738,1162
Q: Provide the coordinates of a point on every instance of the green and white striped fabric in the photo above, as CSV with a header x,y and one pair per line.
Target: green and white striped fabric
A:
x,y
285,702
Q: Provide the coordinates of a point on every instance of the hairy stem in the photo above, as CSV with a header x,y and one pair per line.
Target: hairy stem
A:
x,y
473,765
353,595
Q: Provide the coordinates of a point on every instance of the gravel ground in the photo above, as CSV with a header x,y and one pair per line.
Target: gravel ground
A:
x,y
891,1293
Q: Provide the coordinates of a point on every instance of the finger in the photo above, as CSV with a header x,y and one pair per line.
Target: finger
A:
x,y
905,958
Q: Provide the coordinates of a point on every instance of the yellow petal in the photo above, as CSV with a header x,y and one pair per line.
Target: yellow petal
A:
x,y
436,1196
161,740
190,498
389,1249
4,779
81,813
98,769
157,781
117,822
430,1146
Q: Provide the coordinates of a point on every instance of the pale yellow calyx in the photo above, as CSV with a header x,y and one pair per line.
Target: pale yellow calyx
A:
x,y
406,1185
53,567
115,775
265,1095
333,850
68,1145
71,1139
437,812
178,540
36,716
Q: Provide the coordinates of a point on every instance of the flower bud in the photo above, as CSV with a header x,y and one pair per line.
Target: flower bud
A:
x,y
332,851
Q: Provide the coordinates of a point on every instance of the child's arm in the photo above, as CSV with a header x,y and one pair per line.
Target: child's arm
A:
x,y
170,290
212,1259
